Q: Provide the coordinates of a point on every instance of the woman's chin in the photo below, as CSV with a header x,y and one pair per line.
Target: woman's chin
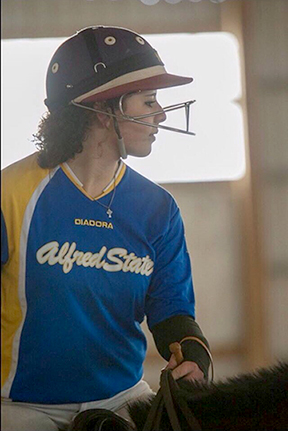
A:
x,y
140,152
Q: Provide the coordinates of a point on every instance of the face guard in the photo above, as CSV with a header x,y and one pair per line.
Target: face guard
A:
x,y
185,105
139,119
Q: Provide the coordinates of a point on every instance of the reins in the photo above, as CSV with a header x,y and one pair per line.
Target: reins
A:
x,y
168,398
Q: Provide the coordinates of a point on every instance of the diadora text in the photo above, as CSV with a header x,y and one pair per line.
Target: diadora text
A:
x,y
93,223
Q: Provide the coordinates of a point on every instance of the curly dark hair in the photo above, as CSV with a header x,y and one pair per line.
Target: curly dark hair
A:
x,y
61,134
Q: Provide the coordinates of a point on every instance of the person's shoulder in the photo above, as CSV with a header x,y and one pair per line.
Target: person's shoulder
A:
x,y
23,173
138,180
21,166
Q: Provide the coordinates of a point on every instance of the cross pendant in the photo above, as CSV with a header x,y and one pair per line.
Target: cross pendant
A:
x,y
109,212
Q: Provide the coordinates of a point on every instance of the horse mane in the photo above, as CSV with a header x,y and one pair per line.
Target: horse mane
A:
x,y
262,388
238,398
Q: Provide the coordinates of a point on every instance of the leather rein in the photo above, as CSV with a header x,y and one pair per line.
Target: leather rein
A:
x,y
168,398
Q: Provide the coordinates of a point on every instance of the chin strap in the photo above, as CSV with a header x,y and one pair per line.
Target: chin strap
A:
x,y
120,140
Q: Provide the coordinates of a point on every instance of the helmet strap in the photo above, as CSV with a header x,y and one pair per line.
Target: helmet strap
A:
x,y
120,140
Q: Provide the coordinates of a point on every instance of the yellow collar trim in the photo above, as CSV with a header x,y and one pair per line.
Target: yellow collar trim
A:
x,y
73,178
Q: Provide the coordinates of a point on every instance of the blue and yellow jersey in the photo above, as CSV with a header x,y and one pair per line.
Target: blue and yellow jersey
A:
x,y
76,284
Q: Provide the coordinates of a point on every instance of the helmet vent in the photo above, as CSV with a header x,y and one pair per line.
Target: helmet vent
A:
x,y
140,40
110,40
55,68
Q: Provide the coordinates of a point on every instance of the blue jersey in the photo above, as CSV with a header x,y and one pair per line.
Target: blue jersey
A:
x,y
76,284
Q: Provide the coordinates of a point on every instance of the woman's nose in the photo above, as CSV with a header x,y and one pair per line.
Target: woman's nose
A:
x,y
159,118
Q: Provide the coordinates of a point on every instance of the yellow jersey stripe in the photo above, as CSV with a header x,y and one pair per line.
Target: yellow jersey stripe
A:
x,y
17,225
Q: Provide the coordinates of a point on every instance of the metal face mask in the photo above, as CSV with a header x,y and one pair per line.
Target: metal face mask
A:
x,y
140,119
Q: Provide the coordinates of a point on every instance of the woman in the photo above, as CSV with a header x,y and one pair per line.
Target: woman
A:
x,y
90,247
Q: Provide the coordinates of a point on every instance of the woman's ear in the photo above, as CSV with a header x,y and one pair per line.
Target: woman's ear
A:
x,y
104,119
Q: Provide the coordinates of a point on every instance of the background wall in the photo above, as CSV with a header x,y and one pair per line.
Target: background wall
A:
x,y
236,232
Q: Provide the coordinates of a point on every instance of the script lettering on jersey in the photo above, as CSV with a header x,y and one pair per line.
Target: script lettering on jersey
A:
x,y
113,260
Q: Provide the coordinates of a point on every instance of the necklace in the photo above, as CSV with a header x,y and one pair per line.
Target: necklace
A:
x,y
109,212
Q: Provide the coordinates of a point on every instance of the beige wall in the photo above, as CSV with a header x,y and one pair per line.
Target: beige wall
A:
x,y
236,232
266,39
41,18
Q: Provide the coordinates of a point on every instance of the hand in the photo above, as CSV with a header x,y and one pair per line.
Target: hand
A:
x,y
188,370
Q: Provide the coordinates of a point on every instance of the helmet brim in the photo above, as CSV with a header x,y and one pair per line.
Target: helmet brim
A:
x,y
116,89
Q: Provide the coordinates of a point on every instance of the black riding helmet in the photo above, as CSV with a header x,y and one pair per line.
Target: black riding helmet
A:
x,y
101,63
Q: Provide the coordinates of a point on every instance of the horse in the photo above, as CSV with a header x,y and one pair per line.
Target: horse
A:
x,y
256,401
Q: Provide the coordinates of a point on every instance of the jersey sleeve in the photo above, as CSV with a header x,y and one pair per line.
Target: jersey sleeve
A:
x,y
4,241
171,290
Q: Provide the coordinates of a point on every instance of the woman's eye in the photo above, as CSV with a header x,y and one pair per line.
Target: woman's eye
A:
x,y
150,103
